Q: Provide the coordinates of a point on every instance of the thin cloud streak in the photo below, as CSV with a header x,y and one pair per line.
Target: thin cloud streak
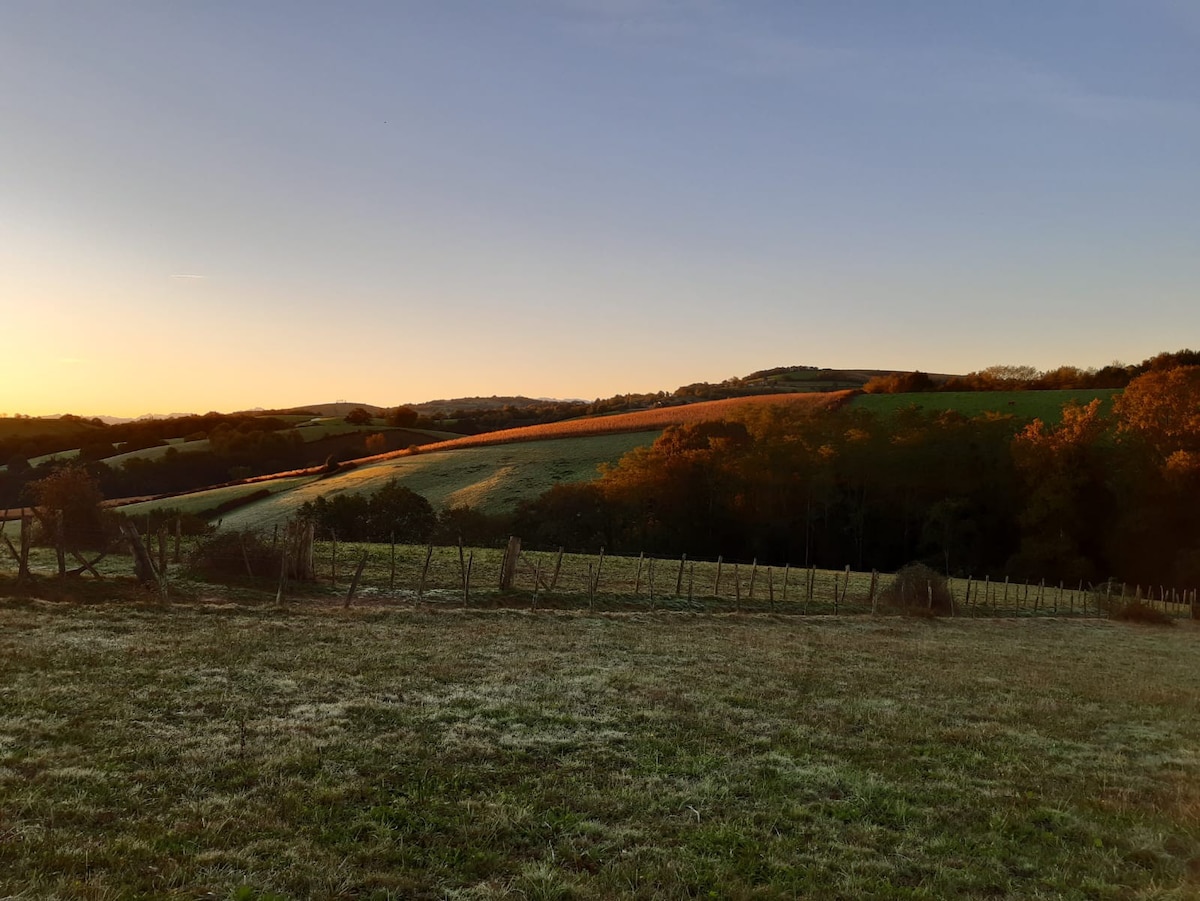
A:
x,y
712,35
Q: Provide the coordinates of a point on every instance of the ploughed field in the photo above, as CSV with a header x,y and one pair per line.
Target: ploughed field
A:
x,y
221,749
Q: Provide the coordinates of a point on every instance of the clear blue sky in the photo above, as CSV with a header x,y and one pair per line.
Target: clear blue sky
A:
x,y
218,205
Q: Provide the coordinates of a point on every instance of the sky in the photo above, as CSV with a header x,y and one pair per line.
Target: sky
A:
x,y
265,203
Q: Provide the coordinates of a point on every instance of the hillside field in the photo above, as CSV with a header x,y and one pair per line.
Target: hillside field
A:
x,y
494,471
491,478
1044,405
223,750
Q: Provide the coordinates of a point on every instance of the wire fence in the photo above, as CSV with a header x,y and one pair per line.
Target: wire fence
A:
x,y
363,572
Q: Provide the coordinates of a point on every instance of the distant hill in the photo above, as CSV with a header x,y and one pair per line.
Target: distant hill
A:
x,y
337,408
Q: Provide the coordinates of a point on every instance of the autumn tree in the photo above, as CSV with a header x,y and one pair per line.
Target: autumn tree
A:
x,y
403,417
67,503
1065,497
1158,425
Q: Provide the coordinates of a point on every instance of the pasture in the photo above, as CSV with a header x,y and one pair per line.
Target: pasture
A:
x,y
494,471
1044,405
490,478
216,749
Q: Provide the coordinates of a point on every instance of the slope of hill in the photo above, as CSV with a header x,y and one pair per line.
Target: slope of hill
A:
x,y
492,471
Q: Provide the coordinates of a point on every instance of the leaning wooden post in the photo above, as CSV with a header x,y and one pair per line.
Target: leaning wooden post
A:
x,y
717,583
846,586
245,555
357,575
599,566
929,591
537,576
1005,596
679,578
557,567
637,580
424,571
509,571
987,585
467,579
812,582
874,583
786,568
691,577
753,574
462,569
835,594
60,542
392,573
283,569
770,589
143,566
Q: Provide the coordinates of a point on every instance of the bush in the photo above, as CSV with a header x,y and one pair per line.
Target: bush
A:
x,y
1140,612
226,555
912,588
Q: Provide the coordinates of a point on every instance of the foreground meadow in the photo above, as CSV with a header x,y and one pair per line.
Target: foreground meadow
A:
x,y
215,750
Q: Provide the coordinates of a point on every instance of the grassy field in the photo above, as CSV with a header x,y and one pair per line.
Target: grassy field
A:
x,y
492,478
201,501
218,750
1045,405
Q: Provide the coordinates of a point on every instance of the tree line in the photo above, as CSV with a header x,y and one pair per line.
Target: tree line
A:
x,y
1096,495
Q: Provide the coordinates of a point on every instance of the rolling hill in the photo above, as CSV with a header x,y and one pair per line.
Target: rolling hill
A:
x,y
492,472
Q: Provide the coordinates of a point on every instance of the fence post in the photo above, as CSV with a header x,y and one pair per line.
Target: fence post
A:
x,y
786,567
557,567
424,571
599,566
509,570
467,578
637,581
392,575
753,573
874,582
679,578
357,575
717,583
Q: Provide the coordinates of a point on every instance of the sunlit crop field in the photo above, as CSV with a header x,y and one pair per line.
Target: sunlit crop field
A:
x,y
212,749
643,420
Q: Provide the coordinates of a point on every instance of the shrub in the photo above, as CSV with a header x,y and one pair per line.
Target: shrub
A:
x,y
918,589
234,555
1140,612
